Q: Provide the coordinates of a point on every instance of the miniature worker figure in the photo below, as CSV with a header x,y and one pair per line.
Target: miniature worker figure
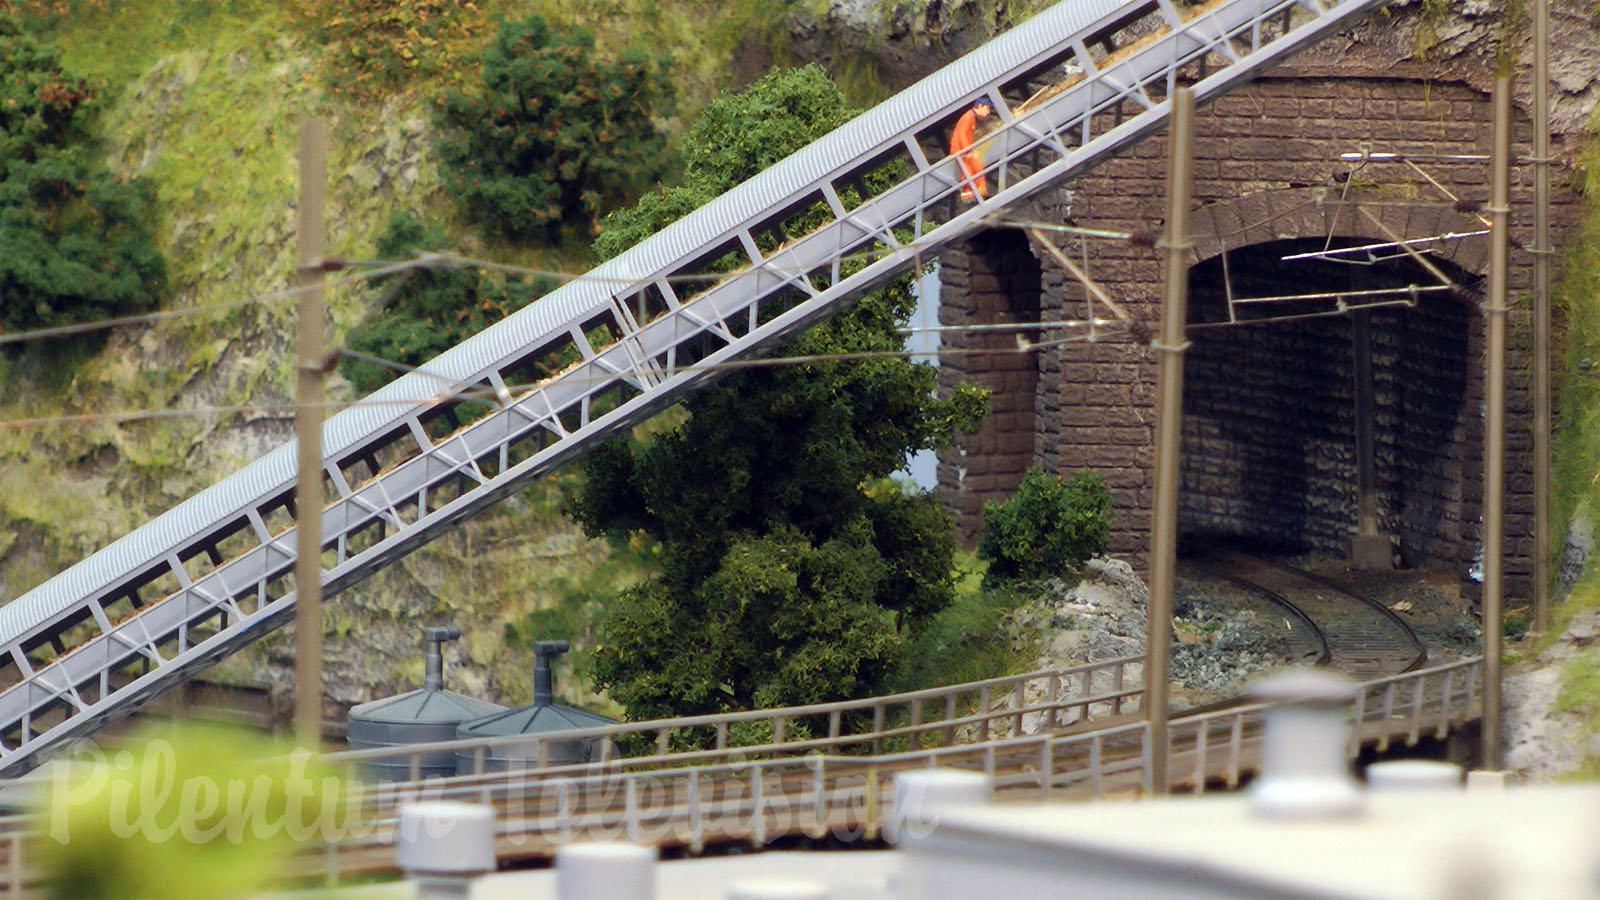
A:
x,y
961,144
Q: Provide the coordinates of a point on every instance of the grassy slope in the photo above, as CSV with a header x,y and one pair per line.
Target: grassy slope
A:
x,y
1575,491
1576,455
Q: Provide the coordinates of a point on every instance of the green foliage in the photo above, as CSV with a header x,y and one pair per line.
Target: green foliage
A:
x,y
423,312
787,574
42,109
1046,526
190,812
622,228
555,134
966,641
736,136
1575,439
376,46
741,135
77,240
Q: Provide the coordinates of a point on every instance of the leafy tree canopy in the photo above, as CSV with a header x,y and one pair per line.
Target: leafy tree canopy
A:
x,y
555,134
423,312
790,569
77,239
1048,525
736,136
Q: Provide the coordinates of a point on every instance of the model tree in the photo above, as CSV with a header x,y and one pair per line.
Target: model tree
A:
x,y
554,134
791,568
76,238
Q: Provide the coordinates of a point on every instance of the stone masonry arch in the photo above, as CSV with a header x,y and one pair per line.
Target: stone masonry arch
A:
x,y
1323,211
1267,168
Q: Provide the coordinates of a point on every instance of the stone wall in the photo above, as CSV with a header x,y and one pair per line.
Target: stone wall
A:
x,y
999,277
1267,169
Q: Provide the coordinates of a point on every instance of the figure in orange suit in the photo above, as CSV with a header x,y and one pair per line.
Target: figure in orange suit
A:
x,y
961,141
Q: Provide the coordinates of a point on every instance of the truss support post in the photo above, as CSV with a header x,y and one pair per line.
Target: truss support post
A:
x,y
1368,548
1541,317
1169,429
1494,418
308,439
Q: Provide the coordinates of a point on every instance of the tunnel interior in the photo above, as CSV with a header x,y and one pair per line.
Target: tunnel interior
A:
x,y
1270,405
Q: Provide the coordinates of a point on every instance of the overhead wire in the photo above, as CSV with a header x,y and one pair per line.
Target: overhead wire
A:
x,y
466,392
424,259
366,270
39,334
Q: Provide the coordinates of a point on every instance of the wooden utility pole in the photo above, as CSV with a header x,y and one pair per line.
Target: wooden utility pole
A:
x,y
1541,317
308,439
1169,429
1494,419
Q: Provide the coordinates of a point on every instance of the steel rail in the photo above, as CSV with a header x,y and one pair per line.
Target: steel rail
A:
x,y
1400,625
1305,619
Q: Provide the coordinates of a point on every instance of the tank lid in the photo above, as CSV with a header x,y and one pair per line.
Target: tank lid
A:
x,y
538,718
429,705
432,704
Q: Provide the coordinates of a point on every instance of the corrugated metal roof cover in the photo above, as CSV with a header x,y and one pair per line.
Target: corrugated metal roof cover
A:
x,y
424,705
538,719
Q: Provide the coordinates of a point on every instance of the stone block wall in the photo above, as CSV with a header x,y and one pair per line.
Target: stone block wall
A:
x,y
1266,160
999,279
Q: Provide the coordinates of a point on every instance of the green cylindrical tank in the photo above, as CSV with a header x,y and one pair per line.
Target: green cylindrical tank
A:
x,y
417,717
543,718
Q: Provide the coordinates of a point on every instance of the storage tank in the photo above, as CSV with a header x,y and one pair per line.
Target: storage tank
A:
x,y
543,717
417,717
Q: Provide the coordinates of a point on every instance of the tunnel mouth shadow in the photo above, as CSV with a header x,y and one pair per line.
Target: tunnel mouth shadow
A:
x,y
1270,437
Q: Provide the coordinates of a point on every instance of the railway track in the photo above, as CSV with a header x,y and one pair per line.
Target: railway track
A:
x,y
815,788
683,800
1358,635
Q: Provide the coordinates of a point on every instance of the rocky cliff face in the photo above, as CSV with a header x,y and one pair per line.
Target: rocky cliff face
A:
x,y
897,42
1458,41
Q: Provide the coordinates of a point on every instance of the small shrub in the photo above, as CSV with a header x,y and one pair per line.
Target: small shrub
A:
x,y
554,134
375,46
1047,525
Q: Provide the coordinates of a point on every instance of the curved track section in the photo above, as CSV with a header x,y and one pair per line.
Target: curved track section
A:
x,y
1318,651
1363,638
215,573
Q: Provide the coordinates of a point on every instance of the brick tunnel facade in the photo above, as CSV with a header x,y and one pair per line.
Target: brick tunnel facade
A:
x,y
1269,407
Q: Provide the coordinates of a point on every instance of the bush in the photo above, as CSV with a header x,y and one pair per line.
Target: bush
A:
x,y
1047,525
77,239
555,134
184,811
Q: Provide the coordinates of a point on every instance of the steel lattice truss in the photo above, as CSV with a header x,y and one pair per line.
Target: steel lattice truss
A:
x,y
214,573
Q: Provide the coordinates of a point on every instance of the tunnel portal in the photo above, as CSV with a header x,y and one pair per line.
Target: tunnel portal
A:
x,y
1270,437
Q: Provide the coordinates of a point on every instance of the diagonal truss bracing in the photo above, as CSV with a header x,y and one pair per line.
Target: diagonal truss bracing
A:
x,y
602,353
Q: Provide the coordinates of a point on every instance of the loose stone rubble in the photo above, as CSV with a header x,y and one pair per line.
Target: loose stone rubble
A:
x,y
1221,641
